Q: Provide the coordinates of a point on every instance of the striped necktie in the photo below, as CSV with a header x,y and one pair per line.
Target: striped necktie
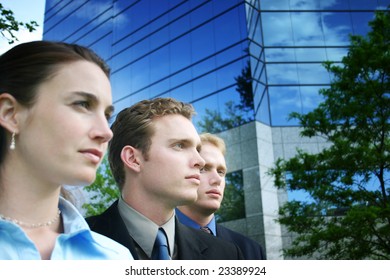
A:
x,y
206,229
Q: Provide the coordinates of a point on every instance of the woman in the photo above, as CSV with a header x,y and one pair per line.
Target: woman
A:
x,y
55,102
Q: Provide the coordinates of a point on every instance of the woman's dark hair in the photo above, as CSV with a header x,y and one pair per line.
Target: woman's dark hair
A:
x,y
26,66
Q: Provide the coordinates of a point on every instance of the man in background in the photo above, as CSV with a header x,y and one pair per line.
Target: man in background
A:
x,y
200,215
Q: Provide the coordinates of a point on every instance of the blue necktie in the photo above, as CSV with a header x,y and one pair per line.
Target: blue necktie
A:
x,y
160,248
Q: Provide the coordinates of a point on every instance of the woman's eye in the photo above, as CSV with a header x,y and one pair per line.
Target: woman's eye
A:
x,y
179,145
83,104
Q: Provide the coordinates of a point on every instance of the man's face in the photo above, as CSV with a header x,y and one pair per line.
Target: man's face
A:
x,y
171,174
212,179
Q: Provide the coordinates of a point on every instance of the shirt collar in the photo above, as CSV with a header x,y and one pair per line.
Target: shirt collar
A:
x,y
73,221
184,219
143,230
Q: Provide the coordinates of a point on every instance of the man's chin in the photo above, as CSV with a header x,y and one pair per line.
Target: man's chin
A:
x,y
188,200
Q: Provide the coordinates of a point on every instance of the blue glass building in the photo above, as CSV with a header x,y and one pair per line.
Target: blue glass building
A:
x,y
244,65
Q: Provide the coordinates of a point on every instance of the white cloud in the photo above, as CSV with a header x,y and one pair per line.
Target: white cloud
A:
x,y
76,9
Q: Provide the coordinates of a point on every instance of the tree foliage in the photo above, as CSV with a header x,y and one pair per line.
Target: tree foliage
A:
x,y
9,25
348,215
103,192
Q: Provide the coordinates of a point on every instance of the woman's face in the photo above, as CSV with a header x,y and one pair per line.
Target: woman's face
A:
x,y
63,137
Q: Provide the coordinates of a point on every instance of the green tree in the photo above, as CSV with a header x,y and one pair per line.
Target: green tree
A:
x,y
103,191
9,25
348,214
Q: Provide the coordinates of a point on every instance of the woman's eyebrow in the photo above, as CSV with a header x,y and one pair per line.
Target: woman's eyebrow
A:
x,y
94,99
89,96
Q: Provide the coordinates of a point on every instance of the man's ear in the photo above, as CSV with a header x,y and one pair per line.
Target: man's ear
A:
x,y
130,158
8,112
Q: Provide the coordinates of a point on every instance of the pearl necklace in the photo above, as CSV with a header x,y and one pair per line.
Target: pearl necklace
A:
x,y
27,225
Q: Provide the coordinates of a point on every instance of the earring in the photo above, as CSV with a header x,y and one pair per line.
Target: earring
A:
x,y
12,146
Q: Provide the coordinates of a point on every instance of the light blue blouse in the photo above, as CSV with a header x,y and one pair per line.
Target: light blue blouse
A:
x,y
77,242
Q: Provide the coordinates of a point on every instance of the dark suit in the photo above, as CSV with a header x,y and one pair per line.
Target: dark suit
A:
x,y
191,244
250,248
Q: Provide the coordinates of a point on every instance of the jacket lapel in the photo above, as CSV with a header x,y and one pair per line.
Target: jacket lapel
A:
x,y
115,228
190,246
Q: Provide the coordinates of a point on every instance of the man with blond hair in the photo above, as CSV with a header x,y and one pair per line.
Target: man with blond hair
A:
x,y
200,214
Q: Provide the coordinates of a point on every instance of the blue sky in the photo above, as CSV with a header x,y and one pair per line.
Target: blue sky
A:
x,y
24,10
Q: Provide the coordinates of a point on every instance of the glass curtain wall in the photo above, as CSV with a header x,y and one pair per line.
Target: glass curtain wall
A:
x,y
293,39
235,60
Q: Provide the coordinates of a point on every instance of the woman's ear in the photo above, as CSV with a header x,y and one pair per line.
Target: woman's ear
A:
x,y
130,158
8,112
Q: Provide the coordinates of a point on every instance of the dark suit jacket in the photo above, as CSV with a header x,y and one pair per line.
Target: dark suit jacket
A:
x,y
250,248
192,244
